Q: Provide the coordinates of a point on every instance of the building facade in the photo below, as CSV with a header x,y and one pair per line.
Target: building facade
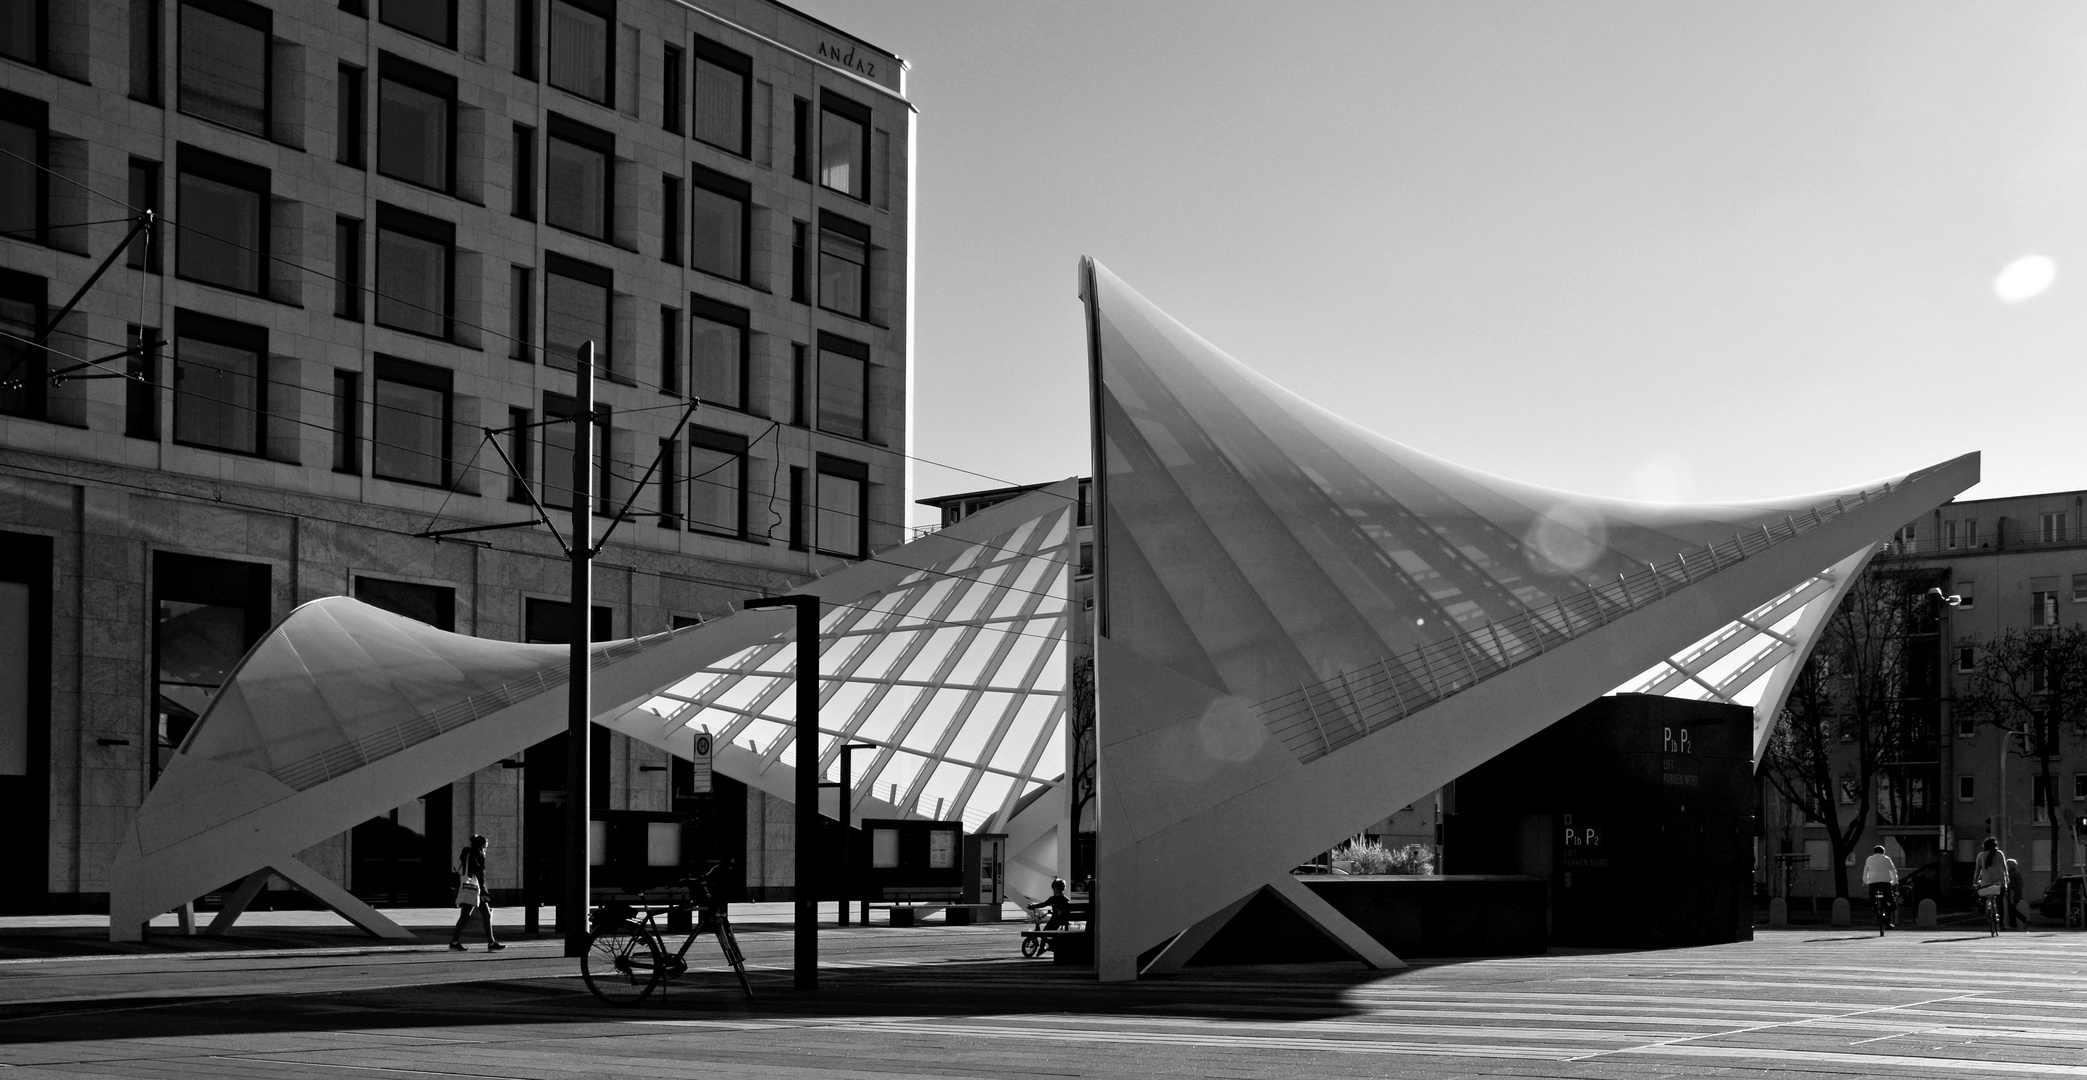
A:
x,y
380,234
2014,564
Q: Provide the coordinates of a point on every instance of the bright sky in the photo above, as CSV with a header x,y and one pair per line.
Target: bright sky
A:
x,y
1692,251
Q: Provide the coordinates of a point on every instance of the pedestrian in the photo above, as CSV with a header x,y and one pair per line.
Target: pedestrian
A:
x,y
2016,918
1883,879
472,895
1989,874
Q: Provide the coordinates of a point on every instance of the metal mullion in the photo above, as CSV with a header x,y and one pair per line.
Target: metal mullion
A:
x,y
1718,650
1007,719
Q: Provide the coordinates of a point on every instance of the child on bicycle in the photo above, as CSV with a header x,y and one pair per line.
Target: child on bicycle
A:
x,y
1059,904
1883,878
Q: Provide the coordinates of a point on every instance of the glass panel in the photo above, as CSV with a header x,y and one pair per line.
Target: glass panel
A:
x,y
579,183
942,849
840,515
720,106
20,30
579,51
715,484
597,843
197,646
662,843
409,424
842,270
14,678
715,352
427,18
716,239
412,134
224,70
884,848
412,283
841,142
222,243
216,395
19,206
842,386
575,312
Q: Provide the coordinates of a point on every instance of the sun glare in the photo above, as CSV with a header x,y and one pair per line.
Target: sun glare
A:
x,y
2025,278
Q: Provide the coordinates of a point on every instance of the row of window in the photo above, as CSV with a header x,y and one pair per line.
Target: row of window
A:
x,y
1967,788
2052,527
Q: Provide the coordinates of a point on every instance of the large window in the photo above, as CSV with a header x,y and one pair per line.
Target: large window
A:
x,y
23,385
22,24
670,219
844,368
576,170
223,210
844,265
554,488
416,123
415,272
347,422
410,422
435,20
220,383
718,233
525,37
225,63
671,98
524,184
521,314
717,353
844,140
716,481
723,117
347,268
23,187
575,311
349,130
208,612
842,520
580,54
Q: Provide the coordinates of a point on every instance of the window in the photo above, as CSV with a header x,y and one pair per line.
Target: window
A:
x,y
525,38
347,422
1967,787
576,169
524,188
1967,726
1967,658
670,349
220,383
842,525
141,390
24,186
671,96
722,117
670,220
718,233
347,268
435,20
580,60
1949,534
844,139
435,605
576,311
800,263
521,318
1970,532
1966,602
416,123
799,382
2039,799
2043,602
222,206
347,110
410,420
1907,534
208,612
22,25
23,385
2080,588
884,848
144,50
843,386
716,482
358,8
844,263
2052,527
942,849
555,486
144,194
717,353
801,139
415,272
669,487
2079,786
800,531
225,66
519,440
549,622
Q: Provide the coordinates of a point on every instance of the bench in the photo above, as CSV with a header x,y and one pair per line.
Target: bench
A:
x,y
911,905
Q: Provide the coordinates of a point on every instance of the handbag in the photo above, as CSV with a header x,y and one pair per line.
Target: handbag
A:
x,y
468,888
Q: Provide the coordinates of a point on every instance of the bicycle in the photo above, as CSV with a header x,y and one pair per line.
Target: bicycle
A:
x,y
1990,904
626,957
1884,899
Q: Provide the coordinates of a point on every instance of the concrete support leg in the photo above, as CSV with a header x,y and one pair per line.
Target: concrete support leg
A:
x,y
341,901
1333,924
1190,941
187,914
236,903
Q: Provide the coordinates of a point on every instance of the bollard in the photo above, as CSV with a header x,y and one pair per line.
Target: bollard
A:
x,y
1840,911
1926,916
1778,912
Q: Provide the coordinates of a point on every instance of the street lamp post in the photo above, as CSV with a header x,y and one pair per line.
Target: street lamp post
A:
x,y
807,914
579,705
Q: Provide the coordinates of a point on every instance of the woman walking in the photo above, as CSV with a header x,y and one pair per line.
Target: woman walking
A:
x,y
472,895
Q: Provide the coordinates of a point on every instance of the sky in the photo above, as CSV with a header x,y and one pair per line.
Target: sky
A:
x,y
1675,251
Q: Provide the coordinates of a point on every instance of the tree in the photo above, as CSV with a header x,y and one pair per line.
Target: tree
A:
x,y
2032,684
1855,709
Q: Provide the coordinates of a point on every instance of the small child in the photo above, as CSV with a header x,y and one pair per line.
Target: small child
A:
x,y
1060,905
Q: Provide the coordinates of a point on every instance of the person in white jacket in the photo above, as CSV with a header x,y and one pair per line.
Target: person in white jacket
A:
x,y
1882,878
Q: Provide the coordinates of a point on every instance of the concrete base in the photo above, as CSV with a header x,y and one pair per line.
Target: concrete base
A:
x,y
1478,915
1841,911
1778,912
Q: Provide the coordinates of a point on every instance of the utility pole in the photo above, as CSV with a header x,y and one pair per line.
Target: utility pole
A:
x,y
807,913
579,710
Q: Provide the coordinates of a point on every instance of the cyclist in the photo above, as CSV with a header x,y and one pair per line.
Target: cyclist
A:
x,y
1883,878
1059,904
1989,878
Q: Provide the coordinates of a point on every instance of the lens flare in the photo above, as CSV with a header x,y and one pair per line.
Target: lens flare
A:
x,y
2025,278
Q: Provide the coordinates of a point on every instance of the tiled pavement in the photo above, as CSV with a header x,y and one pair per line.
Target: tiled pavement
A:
x,y
958,1002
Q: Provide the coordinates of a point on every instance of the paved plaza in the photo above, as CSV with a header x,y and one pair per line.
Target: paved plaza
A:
x,y
959,1002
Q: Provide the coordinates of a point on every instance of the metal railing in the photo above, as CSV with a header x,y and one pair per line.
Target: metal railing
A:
x,y
1318,718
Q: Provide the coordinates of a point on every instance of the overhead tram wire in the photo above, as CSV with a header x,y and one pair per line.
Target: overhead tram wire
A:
x,y
373,292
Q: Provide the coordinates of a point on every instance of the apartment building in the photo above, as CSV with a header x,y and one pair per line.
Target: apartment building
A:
x,y
380,232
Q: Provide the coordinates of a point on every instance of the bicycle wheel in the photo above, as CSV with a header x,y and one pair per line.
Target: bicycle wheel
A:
x,y
1993,916
721,925
622,964
1032,946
